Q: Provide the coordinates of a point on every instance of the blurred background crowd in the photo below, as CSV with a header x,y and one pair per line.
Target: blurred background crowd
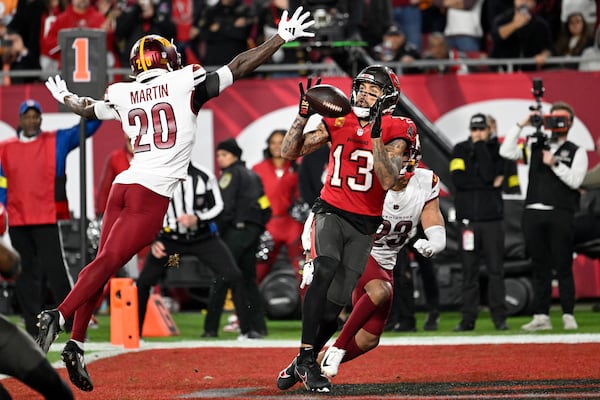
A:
x,y
212,32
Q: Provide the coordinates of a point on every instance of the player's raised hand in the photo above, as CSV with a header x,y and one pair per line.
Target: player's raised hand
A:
x,y
58,87
295,27
376,112
305,110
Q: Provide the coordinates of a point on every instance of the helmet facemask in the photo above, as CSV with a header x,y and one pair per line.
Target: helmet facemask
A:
x,y
414,157
383,77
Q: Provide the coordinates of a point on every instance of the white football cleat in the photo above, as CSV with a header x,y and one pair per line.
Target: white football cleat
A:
x,y
332,360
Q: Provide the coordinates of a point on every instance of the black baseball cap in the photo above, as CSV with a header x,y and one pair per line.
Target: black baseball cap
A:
x,y
478,121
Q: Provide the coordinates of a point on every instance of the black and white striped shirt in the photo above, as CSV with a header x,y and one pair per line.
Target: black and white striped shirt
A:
x,y
199,195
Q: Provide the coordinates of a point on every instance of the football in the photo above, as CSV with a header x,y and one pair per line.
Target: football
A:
x,y
328,101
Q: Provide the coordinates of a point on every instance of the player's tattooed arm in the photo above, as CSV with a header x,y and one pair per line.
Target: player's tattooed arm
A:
x,y
296,143
387,161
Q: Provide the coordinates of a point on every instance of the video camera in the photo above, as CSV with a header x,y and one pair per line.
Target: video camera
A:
x,y
554,123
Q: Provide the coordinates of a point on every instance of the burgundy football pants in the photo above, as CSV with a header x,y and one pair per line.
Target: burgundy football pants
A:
x,y
132,219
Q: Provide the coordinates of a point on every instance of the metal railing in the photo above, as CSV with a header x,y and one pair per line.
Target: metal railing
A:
x,y
506,65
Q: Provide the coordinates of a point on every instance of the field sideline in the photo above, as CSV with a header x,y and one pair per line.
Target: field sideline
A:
x,y
416,366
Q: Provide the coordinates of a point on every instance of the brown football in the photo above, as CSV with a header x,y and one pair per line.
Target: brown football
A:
x,y
328,101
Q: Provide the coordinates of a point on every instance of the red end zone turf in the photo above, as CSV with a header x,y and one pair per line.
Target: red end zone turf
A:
x,y
565,371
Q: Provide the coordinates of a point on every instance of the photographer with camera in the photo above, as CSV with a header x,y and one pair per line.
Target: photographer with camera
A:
x,y
557,167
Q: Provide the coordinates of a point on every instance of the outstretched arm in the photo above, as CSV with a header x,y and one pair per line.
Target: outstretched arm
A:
x,y
387,159
296,143
288,30
434,228
83,106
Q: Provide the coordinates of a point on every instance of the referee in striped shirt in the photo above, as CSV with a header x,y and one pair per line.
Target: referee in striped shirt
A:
x,y
189,228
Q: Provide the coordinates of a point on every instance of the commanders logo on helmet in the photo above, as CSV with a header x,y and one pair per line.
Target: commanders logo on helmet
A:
x,y
383,77
154,52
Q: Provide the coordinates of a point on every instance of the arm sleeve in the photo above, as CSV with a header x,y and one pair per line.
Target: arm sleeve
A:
x,y
510,147
105,111
212,86
573,176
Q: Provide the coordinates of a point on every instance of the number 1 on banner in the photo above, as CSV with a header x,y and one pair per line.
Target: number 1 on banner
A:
x,y
81,72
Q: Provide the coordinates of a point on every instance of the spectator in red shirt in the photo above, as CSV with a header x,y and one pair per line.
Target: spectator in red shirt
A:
x,y
80,14
280,181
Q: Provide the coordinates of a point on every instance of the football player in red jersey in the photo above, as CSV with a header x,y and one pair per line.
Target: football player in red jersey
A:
x,y
158,113
414,198
364,162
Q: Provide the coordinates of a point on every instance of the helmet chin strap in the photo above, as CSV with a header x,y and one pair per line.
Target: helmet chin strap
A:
x,y
408,175
361,112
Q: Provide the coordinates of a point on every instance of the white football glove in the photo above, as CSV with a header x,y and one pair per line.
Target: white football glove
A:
x,y
58,87
435,242
293,28
307,274
424,247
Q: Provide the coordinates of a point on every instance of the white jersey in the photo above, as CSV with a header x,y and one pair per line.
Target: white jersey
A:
x,y
157,117
401,215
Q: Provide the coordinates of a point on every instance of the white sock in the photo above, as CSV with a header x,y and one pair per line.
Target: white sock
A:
x,y
61,319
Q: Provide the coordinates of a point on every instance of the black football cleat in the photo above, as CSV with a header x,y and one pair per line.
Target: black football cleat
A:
x,y
49,328
309,373
287,377
72,355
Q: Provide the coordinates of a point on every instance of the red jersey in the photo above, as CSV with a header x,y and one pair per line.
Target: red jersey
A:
x,y
281,190
69,18
351,184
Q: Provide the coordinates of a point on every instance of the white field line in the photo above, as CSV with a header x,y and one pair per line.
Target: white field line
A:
x,y
98,350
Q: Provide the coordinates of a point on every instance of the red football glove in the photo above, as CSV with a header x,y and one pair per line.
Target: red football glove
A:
x,y
305,110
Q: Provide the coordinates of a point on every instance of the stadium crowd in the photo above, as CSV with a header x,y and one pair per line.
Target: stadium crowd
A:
x,y
211,32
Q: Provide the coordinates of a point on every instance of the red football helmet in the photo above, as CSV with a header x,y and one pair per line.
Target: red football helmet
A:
x,y
152,52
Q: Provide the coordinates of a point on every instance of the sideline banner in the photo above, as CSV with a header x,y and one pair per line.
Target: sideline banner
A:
x,y
252,108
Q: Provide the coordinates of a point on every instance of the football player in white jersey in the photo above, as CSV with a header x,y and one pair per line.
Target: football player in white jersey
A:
x,y
414,198
158,113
